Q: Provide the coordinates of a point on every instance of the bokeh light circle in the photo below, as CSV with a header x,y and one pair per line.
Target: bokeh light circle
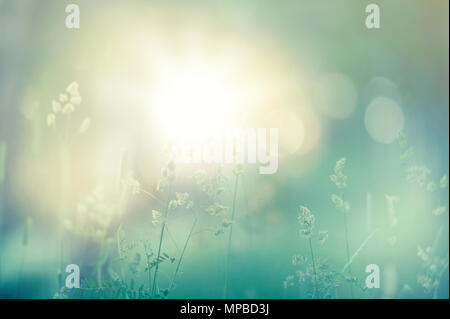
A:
x,y
383,119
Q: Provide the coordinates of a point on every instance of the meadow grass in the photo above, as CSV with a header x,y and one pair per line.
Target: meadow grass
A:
x,y
316,276
230,237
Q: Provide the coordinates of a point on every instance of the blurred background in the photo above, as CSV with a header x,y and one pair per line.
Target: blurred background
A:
x,y
143,72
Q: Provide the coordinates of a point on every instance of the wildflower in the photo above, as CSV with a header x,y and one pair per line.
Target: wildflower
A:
x,y
443,182
301,276
426,282
323,236
85,125
72,89
190,205
338,178
439,210
289,281
216,209
392,214
340,204
51,118
299,259
404,146
181,198
157,217
424,254
212,185
68,108
306,220
417,174
434,266
63,98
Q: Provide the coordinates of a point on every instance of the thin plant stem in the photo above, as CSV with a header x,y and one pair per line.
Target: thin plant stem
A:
x,y
100,263
119,250
20,275
163,226
149,274
122,191
99,274
347,247
182,253
64,158
314,267
172,239
233,210
150,195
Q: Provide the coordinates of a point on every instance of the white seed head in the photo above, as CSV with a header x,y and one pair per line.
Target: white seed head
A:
x,y
72,89
63,98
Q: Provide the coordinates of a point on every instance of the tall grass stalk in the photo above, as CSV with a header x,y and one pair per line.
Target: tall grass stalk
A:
x,y
347,248
103,257
64,160
227,264
121,207
161,237
149,273
182,253
314,267
119,250
25,240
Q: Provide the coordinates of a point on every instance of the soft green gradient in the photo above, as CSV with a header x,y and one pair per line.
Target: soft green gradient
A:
x,y
279,55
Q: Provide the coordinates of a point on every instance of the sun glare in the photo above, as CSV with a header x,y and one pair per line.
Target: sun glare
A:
x,y
195,101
